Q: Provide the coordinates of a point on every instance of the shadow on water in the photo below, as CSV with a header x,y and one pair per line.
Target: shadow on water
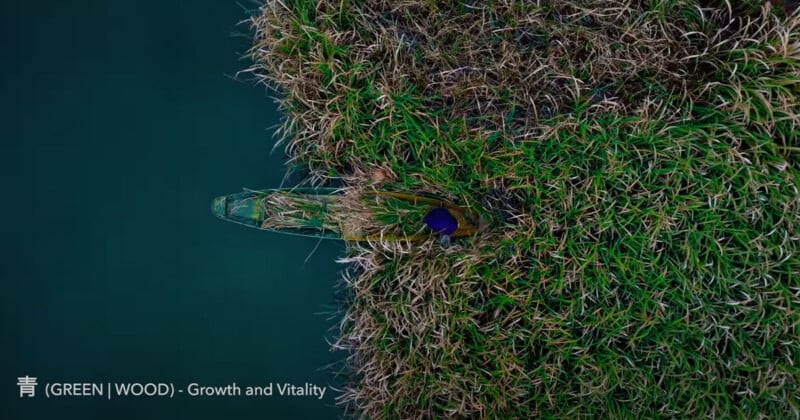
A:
x,y
120,126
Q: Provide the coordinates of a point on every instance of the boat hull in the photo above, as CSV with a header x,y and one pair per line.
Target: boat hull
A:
x,y
248,208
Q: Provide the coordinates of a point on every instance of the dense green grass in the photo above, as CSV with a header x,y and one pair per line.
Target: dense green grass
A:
x,y
638,162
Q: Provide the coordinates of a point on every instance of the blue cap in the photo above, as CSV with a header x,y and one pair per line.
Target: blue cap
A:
x,y
441,221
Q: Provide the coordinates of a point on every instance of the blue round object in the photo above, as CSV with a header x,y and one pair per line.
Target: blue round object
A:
x,y
441,221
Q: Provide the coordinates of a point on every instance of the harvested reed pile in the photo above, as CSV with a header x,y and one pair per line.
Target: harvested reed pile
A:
x,y
356,213
640,163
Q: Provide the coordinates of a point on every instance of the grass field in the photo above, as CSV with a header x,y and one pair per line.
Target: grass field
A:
x,y
638,162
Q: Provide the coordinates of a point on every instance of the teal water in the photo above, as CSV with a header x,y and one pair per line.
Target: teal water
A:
x,y
120,123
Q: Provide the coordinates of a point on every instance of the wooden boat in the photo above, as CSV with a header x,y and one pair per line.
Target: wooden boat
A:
x,y
331,214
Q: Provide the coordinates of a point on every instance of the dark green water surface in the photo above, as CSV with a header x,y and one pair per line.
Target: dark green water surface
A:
x,y
120,123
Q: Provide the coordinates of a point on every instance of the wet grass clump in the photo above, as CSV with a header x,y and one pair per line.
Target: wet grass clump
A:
x,y
638,162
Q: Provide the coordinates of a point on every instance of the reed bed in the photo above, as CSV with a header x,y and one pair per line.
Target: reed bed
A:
x,y
638,163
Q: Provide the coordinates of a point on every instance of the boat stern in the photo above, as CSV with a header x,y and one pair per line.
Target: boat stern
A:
x,y
219,207
244,208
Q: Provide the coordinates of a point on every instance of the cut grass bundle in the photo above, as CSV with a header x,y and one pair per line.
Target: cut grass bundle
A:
x,y
352,214
639,162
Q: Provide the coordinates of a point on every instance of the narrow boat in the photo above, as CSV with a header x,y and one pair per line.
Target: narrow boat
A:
x,y
337,214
